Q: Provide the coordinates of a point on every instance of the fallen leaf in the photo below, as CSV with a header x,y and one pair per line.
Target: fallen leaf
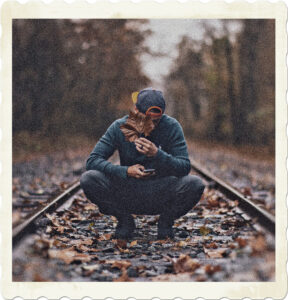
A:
x,y
105,237
48,229
90,206
120,243
88,270
83,248
246,191
213,201
241,242
16,217
60,229
133,243
53,220
81,242
212,245
181,244
185,264
120,264
181,277
216,253
209,269
124,277
69,255
204,230
258,245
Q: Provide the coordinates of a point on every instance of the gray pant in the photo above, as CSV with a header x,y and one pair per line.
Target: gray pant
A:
x,y
170,196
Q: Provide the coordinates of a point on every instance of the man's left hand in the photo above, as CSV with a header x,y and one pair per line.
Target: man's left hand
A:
x,y
146,147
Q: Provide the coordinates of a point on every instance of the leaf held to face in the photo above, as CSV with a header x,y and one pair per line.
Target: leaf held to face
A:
x,y
135,125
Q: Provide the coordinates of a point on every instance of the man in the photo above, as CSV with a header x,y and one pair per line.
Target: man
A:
x,y
125,189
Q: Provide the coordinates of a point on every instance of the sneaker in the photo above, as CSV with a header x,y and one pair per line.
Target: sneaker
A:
x,y
165,229
125,227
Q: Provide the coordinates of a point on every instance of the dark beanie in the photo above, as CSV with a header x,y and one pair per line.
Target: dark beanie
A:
x,y
150,97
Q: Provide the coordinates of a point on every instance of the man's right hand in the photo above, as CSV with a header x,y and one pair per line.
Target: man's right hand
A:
x,y
136,171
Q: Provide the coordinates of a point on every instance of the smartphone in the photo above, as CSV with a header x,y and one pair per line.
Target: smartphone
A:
x,y
149,170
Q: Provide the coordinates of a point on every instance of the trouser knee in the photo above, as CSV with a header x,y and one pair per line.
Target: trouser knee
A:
x,y
91,179
99,189
191,185
188,193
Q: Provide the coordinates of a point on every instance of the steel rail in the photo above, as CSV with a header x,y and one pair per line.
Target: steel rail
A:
x,y
29,225
262,217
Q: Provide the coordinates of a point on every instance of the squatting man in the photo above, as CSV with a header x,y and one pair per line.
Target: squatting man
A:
x,y
164,189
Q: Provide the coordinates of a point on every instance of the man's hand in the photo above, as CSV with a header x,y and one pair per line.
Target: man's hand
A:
x,y
136,171
146,147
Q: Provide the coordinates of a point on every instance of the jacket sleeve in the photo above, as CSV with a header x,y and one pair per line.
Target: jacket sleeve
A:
x,y
105,147
174,162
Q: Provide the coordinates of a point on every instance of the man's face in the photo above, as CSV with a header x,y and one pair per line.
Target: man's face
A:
x,y
156,120
155,114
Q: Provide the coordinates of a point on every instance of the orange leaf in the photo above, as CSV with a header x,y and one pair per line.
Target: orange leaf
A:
x,y
241,242
105,237
211,245
133,243
185,264
68,255
209,269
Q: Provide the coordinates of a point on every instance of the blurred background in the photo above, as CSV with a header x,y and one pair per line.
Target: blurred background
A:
x,y
72,78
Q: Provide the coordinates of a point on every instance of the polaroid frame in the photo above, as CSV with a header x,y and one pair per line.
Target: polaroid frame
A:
x,y
148,9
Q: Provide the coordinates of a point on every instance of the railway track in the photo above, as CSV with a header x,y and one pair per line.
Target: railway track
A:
x,y
266,220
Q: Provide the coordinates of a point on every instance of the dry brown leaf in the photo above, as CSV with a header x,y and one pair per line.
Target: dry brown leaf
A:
x,y
241,242
105,237
135,125
212,245
213,201
69,255
209,269
90,206
60,229
180,277
48,229
258,245
124,276
88,242
120,264
83,248
232,245
246,191
216,253
88,270
63,239
185,264
16,217
133,243
181,244
53,220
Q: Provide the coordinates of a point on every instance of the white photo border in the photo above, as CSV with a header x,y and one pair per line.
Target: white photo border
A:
x,y
145,10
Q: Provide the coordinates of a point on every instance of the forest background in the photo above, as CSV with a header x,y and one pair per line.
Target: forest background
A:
x,y
72,78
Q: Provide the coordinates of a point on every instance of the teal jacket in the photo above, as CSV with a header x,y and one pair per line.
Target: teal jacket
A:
x,y
171,159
